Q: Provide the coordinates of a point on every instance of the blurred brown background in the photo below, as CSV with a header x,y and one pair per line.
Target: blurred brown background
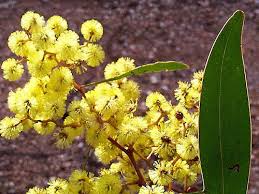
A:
x,y
146,30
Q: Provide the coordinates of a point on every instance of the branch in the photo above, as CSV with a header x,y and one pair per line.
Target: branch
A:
x,y
73,125
162,114
130,154
114,142
79,88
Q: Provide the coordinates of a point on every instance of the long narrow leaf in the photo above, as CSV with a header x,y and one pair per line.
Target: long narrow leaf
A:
x,y
225,133
148,68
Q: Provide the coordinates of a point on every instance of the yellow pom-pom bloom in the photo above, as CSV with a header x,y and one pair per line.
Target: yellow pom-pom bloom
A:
x,y
73,126
61,80
54,106
27,104
106,152
57,186
94,134
126,64
92,30
179,114
156,101
67,46
12,100
122,65
197,80
110,100
32,22
154,189
162,173
57,24
36,87
108,184
93,54
10,128
44,39
12,69
36,190
64,138
163,141
44,128
182,91
180,169
130,129
35,56
78,109
81,181
17,41
196,167
43,67
188,147
183,174
130,90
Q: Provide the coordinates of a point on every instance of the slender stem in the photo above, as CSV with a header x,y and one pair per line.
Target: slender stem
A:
x,y
73,125
185,184
141,180
22,60
170,187
21,121
157,121
114,142
79,88
130,154
175,160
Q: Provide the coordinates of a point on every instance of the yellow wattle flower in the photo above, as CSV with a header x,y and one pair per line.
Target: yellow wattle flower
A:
x,y
12,69
92,30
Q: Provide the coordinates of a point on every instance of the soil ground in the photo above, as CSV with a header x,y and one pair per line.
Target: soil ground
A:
x,y
146,30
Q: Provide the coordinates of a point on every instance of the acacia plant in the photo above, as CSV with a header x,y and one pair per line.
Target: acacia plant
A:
x,y
142,153
145,154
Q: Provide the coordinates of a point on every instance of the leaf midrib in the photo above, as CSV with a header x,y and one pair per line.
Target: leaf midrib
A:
x,y
219,113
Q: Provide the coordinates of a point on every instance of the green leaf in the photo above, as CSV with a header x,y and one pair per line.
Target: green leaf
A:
x,y
148,68
225,129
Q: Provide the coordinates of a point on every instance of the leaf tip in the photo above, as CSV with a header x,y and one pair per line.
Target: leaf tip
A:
x,y
186,66
240,14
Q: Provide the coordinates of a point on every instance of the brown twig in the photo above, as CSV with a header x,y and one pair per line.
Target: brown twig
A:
x,y
114,142
130,154
73,125
185,184
175,160
158,120
20,122
79,88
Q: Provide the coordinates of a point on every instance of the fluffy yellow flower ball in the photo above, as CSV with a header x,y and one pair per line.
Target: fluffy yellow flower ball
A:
x,y
17,43
92,30
93,54
12,69
57,24
32,22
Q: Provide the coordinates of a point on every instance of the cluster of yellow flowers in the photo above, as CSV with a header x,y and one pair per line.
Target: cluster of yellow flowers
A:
x,y
142,154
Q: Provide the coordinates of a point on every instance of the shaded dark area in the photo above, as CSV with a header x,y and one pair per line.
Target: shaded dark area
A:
x,y
146,30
